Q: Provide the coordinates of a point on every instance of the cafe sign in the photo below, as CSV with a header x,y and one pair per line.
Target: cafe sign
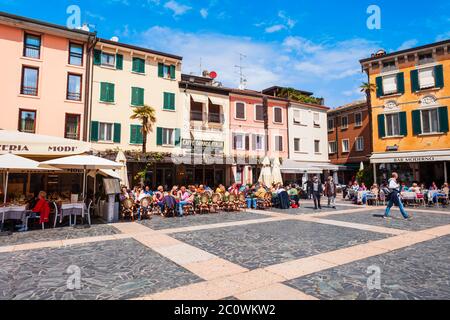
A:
x,y
415,159
201,144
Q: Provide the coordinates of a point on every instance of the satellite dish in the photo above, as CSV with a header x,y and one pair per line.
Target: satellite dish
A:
x,y
115,39
213,75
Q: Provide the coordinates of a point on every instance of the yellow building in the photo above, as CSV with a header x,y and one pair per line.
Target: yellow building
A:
x,y
410,113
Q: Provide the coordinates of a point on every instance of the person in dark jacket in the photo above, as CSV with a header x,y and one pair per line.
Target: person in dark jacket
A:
x,y
330,192
309,191
317,191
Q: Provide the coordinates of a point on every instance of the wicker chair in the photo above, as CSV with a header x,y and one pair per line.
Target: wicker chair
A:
x,y
146,210
215,203
268,200
204,204
128,209
242,202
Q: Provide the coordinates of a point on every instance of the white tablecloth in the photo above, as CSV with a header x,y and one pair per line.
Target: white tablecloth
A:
x,y
13,213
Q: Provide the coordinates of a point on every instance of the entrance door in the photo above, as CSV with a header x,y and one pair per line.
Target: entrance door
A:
x,y
164,177
209,177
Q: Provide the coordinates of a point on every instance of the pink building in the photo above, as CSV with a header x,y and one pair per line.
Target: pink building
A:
x,y
45,69
258,128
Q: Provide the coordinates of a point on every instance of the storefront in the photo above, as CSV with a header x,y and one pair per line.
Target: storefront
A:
x,y
299,172
421,166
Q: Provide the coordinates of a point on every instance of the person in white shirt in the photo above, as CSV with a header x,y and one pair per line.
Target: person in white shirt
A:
x,y
394,197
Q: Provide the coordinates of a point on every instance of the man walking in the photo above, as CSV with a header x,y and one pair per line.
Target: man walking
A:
x,y
317,191
330,192
394,197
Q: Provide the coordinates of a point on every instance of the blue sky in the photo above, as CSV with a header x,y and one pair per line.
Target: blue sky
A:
x,y
310,45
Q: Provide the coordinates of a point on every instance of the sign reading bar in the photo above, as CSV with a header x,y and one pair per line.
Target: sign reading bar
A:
x,y
190,144
415,159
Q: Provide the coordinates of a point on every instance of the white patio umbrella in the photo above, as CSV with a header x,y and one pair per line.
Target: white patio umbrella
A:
x,y
276,171
266,173
122,172
361,166
82,162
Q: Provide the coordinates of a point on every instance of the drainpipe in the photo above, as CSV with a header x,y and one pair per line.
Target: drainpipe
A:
x,y
89,85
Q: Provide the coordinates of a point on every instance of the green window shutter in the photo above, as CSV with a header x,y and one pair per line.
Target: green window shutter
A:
x,y
381,126
416,122
110,92
403,124
443,119
97,57
94,131
119,62
415,81
103,91
439,76
137,96
172,72
117,132
159,133
161,70
136,134
401,83
139,135
380,91
169,101
132,134
172,101
177,137
138,65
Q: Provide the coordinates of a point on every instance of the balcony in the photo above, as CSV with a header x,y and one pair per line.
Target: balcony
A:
x,y
197,115
74,96
215,118
29,91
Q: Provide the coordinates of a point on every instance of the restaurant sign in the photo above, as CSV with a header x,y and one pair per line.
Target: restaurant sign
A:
x,y
201,144
415,159
41,149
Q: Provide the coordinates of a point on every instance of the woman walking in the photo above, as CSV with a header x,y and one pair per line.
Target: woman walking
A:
x,y
330,192
394,197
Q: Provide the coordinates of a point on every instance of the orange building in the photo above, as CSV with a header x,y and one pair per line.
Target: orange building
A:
x,y
409,107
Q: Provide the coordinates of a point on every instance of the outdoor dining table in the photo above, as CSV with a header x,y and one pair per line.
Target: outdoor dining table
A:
x,y
13,213
69,209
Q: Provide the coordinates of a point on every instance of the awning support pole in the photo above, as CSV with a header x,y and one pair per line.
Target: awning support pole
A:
x,y
445,172
374,173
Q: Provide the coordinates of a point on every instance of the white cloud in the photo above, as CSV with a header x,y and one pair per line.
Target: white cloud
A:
x,y
330,70
204,13
408,44
444,36
177,8
275,28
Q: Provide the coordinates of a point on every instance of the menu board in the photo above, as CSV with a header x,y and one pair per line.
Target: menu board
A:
x,y
112,186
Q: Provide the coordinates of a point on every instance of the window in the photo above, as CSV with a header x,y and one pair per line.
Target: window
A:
x,y
240,111
426,78
105,132
317,146
166,71
297,117
390,84
108,60
258,142
136,136
332,147
430,121
277,115
426,58
345,145
238,142
389,66
27,121
32,46
30,79
107,92
76,54
344,122
358,119
316,119
214,113
196,111
278,143
259,112
360,144
393,125
72,127
137,96
74,87
296,144
169,101
138,65
168,137
330,124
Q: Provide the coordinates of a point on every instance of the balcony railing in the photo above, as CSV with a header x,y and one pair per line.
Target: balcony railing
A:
x,y
196,115
214,118
72,135
30,91
74,96
426,61
389,68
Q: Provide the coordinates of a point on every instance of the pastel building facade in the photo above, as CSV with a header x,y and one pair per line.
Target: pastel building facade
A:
x,y
45,72
258,128
410,112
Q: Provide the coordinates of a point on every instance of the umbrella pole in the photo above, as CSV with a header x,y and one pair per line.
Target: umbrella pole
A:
x,y
5,189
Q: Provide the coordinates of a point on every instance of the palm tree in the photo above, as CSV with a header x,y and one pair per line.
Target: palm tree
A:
x,y
146,115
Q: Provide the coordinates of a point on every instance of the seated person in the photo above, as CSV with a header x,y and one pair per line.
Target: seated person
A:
x,y
374,189
221,189
415,188
184,199
261,192
42,208
293,194
363,187
168,202
148,191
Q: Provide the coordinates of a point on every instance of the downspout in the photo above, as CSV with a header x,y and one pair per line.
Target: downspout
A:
x,y
89,86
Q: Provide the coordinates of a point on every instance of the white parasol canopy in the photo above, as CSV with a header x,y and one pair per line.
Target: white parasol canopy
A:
x,y
276,171
122,172
266,173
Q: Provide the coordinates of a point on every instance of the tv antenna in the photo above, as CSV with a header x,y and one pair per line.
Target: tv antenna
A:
x,y
240,67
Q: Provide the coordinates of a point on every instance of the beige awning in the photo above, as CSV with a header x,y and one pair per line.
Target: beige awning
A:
x,y
292,166
408,157
199,98
217,101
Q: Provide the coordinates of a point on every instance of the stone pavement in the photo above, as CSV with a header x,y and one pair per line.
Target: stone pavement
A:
x,y
296,254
